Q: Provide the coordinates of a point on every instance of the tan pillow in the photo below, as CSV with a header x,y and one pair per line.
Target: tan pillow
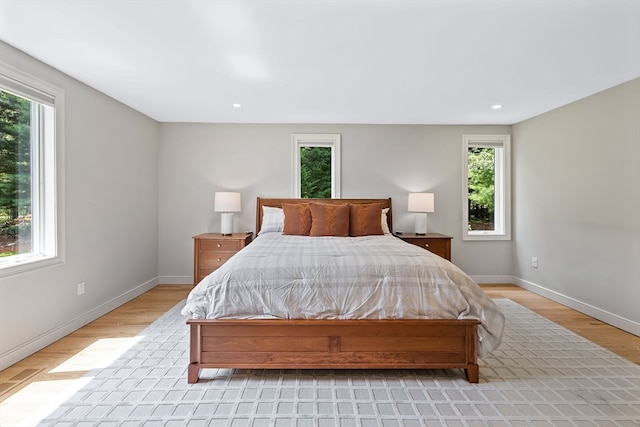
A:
x,y
384,221
365,219
297,219
329,220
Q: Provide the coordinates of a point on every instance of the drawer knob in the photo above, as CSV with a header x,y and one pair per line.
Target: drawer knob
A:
x,y
426,245
219,259
219,245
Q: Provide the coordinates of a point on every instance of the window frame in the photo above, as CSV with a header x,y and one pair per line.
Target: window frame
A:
x,y
48,181
502,186
331,140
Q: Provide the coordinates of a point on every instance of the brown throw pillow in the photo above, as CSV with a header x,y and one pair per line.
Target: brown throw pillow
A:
x,y
329,220
364,219
297,219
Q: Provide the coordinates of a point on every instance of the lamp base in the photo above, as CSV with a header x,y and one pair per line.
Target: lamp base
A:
x,y
421,224
226,224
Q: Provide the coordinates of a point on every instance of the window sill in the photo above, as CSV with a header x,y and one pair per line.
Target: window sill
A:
x,y
486,236
22,263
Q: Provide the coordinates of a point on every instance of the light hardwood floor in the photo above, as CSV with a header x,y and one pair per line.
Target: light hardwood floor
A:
x,y
616,340
56,371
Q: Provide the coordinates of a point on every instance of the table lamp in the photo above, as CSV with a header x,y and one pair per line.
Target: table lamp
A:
x,y
227,203
421,203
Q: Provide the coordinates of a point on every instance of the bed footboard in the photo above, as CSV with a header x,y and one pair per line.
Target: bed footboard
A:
x,y
333,344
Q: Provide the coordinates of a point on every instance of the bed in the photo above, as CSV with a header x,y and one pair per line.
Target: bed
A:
x,y
233,325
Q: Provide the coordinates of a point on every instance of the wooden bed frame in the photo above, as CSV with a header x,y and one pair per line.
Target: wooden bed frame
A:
x,y
332,344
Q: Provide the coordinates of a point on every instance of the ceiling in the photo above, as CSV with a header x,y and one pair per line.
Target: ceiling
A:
x,y
349,61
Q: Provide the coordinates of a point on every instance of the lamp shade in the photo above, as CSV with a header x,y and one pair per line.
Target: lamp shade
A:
x,y
226,201
420,202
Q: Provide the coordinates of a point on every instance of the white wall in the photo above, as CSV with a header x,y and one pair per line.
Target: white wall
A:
x,y
195,160
110,203
576,186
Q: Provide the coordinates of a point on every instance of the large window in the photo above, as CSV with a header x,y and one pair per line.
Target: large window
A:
x,y
486,187
316,165
28,173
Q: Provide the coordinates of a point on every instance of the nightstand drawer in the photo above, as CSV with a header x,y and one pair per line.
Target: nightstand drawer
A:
x,y
213,260
220,245
436,243
207,267
437,246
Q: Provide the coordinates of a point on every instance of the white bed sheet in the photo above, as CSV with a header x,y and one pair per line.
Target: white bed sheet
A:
x,y
370,277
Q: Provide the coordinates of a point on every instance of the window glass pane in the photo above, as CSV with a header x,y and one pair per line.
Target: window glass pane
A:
x,y
315,172
316,165
481,188
15,174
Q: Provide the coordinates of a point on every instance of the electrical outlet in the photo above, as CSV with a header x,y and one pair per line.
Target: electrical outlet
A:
x,y
80,288
534,262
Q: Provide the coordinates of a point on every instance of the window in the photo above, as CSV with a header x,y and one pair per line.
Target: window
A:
x,y
486,187
30,117
316,171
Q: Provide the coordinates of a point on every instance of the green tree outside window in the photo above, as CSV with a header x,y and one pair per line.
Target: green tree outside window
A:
x,y
481,188
15,174
315,172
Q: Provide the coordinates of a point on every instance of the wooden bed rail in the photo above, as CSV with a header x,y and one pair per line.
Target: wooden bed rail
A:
x,y
334,344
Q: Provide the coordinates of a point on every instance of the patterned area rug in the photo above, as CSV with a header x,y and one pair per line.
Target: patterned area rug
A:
x,y
541,375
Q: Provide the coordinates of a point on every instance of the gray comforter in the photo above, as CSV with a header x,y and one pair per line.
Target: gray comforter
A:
x,y
371,277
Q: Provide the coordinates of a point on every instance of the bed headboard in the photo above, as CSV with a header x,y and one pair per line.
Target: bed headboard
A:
x,y
277,203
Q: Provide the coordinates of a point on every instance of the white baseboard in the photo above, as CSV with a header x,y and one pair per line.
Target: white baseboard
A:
x,y
175,280
16,354
595,312
492,279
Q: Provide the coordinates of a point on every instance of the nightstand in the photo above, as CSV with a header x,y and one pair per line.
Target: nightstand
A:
x,y
437,243
211,250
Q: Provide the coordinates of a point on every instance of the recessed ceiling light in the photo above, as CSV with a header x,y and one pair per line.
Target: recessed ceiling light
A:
x,y
497,106
236,105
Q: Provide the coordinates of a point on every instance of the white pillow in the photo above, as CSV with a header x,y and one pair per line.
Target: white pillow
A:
x,y
385,224
272,220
